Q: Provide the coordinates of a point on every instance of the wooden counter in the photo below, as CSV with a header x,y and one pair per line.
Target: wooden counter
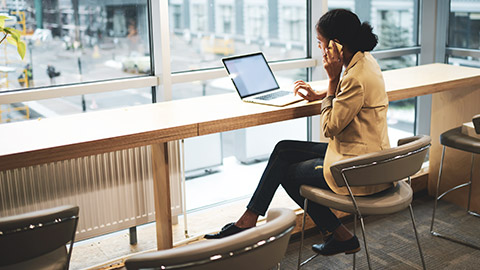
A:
x,y
46,140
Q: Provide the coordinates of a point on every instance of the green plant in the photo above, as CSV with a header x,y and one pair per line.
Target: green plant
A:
x,y
13,36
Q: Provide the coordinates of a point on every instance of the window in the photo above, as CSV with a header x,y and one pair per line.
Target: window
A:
x,y
293,20
464,33
231,163
225,19
401,113
464,24
396,25
199,22
176,16
278,28
75,42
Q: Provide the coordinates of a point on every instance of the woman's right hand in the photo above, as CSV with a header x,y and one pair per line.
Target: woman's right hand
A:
x,y
308,93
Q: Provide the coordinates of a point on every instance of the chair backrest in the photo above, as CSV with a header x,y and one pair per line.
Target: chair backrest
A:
x,y
384,166
261,247
37,240
476,123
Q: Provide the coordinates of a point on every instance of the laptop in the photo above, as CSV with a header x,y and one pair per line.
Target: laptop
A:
x,y
254,80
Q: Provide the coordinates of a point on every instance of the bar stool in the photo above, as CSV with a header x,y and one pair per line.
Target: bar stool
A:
x,y
454,138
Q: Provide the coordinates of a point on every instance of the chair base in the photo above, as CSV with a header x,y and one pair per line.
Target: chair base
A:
x,y
308,260
438,197
458,241
454,240
475,214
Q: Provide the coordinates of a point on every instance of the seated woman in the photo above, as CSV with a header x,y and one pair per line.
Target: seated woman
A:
x,y
354,118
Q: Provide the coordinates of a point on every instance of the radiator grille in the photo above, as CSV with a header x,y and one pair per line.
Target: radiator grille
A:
x,y
113,190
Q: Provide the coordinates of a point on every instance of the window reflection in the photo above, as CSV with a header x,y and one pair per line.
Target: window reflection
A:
x,y
401,113
396,25
464,24
54,107
394,22
202,31
232,162
75,41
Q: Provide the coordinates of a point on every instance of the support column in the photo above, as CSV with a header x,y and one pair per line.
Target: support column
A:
x,y
211,16
39,13
273,19
363,9
239,18
186,14
161,191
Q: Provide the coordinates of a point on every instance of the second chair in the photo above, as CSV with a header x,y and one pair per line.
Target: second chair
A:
x,y
261,247
386,166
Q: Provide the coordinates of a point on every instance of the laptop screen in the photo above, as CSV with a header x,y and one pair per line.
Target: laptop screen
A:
x,y
250,74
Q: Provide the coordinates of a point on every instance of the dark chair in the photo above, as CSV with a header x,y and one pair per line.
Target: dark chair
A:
x,y
454,138
37,240
386,166
261,247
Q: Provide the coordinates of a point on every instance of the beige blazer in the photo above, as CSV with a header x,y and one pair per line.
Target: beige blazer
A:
x,y
355,119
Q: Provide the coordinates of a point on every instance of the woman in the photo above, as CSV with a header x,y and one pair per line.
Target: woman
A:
x,y
354,112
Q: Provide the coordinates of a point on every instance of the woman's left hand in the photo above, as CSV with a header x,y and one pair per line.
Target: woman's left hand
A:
x,y
309,94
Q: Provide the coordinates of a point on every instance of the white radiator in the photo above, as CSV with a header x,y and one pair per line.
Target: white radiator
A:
x,y
113,190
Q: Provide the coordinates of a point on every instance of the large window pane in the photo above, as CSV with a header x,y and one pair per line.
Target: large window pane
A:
x,y
464,24
74,104
395,22
76,41
398,62
228,165
401,113
466,61
204,31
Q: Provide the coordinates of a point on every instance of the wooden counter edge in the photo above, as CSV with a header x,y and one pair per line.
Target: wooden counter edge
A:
x,y
77,150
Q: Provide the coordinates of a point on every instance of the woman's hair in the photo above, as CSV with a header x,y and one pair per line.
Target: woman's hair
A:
x,y
344,26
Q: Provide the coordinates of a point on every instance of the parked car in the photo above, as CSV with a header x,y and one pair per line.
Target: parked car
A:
x,y
136,64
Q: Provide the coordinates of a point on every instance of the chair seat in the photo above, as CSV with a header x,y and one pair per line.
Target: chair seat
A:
x,y
388,201
456,139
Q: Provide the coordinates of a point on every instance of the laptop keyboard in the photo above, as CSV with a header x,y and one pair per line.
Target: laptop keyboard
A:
x,y
274,95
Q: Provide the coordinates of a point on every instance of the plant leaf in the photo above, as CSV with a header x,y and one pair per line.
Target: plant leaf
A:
x,y
11,40
12,31
21,49
2,20
19,44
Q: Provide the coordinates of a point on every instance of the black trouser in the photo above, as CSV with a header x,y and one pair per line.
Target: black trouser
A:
x,y
292,164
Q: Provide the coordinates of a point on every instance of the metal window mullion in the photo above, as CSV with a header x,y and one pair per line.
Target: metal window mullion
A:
x,y
76,89
161,47
433,40
202,75
462,52
318,8
396,52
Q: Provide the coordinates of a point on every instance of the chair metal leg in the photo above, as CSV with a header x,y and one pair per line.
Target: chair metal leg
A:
x,y
438,197
305,205
300,263
416,237
365,242
470,190
436,192
354,233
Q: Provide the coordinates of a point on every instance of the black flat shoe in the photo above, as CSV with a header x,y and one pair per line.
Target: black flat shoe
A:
x,y
227,230
333,246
